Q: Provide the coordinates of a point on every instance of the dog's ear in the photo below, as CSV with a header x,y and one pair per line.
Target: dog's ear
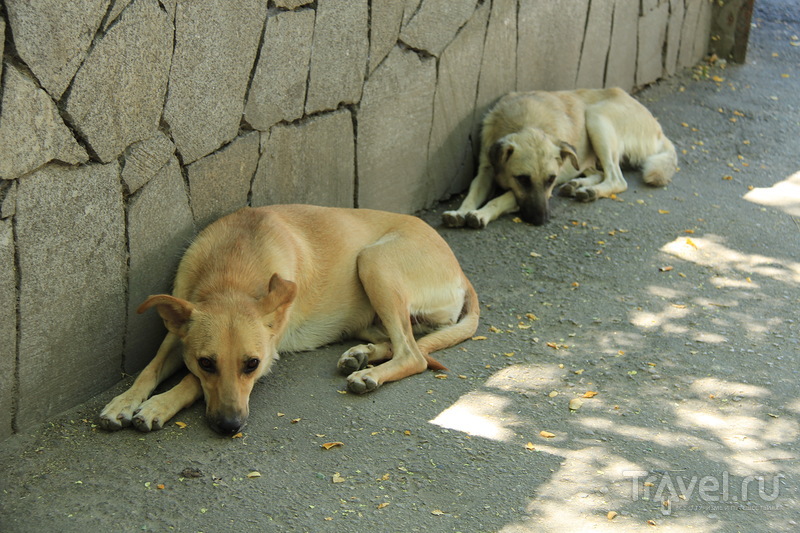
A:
x,y
567,150
281,293
174,311
499,154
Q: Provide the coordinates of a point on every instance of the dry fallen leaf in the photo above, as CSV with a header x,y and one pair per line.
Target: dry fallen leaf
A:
x,y
590,394
691,243
160,486
329,445
385,477
479,338
382,505
665,268
611,515
530,446
181,424
296,420
337,478
575,404
238,436
440,376
651,522
663,212
254,474
553,394
407,433
437,512
495,330
547,434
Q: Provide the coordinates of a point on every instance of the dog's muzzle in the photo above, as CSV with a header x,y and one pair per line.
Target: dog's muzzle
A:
x,y
534,212
226,425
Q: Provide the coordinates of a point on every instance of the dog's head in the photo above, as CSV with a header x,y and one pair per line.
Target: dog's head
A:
x,y
228,343
528,162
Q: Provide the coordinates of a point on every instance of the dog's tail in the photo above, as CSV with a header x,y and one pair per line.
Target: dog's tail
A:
x,y
659,167
451,335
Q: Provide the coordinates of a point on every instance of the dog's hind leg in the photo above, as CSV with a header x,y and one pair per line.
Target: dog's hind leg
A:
x,y
120,411
608,150
376,350
400,281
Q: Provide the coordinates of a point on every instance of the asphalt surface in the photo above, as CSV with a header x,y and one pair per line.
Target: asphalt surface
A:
x,y
667,319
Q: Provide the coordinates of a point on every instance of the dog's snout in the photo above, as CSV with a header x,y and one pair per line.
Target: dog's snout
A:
x,y
226,425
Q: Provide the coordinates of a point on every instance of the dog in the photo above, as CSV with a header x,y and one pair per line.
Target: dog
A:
x,y
291,278
533,142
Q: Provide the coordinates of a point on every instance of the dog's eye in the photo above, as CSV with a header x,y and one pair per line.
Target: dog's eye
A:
x,y
207,364
251,365
551,179
523,179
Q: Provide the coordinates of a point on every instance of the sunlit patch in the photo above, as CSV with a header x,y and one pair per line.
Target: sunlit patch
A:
x,y
479,414
705,386
709,251
521,378
646,319
784,195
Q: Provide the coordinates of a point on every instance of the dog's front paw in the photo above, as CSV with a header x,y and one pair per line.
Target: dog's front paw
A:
x,y
361,382
475,220
569,190
119,412
149,417
586,194
453,219
354,359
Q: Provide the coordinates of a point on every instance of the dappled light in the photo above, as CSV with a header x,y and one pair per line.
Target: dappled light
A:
x,y
710,251
480,414
784,195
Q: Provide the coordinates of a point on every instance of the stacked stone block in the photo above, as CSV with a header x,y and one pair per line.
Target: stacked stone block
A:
x,y
126,126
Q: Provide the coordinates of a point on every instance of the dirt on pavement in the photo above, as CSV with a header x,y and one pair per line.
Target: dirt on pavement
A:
x,y
666,318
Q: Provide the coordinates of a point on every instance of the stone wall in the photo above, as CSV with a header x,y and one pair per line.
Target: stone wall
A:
x,y
127,125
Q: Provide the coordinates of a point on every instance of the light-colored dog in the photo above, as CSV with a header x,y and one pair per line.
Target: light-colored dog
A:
x,y
291,278
533,142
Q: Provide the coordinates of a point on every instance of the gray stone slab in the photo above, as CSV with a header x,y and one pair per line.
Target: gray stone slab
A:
x,y
686,54
435,23
596,42
117,7
410,8
386,17
215,49
220,183
2,44
144,158
160,227
291,4
53,36
32,133
703,32
118,93
278,89
450,152
338,55
394,123
674,26
8,327
652,38
546,59
8,199
70,229
311,162
621,67
499,62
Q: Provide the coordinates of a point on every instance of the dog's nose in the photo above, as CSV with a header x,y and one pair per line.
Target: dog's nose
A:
x,y
226,426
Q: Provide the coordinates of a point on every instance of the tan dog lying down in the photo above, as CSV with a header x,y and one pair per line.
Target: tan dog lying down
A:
x,y
533,142
296,277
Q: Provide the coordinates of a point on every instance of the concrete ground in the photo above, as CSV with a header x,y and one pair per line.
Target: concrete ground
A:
x,y
667,318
